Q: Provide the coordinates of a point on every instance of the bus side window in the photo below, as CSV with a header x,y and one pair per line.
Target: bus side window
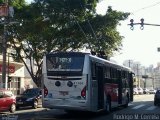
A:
x,y
127,80
114,74
93,70
123,74
107,74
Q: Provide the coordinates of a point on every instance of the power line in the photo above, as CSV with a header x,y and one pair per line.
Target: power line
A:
x,y
149,6
77,22
90,24
80,25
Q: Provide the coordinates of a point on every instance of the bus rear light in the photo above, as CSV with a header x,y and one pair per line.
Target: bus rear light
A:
x,y
83,92
45,91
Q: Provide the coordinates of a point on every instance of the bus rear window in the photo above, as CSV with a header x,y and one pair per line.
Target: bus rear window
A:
x,y
65,63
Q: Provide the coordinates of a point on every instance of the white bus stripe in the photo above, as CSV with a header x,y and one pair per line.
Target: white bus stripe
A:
x,y
151,108
139,106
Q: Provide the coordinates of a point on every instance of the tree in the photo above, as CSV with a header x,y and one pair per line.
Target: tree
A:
x,y
54,25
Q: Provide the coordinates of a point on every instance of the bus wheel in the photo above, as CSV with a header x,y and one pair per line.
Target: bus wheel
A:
x,y
108,105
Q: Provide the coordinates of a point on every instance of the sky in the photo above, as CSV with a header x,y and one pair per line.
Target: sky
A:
x,y
29,1
138,45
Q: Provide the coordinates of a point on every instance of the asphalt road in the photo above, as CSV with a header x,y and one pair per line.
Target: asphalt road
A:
x,y
141,109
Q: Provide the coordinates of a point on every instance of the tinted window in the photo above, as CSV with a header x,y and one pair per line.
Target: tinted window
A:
x,y
31,92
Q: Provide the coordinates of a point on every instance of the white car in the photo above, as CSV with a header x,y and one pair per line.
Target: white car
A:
x,y
140,90
145,91
152,91
135,91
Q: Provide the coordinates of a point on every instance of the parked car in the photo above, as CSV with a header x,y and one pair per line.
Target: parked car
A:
x,y
152,91
30,97
7,101
157,98
135,91
146,91
140,90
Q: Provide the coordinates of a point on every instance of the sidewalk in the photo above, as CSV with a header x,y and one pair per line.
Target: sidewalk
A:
x,y
141,97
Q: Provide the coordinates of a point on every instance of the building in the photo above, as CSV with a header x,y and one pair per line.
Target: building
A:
x,y
156,76
141,72
17,77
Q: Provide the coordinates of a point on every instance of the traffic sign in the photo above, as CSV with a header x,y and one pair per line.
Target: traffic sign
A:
x,y
3,10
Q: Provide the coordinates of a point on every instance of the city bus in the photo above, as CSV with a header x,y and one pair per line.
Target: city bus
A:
x,y
84,82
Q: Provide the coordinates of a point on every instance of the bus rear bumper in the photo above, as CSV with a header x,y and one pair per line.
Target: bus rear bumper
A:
x,y
69,105
68,108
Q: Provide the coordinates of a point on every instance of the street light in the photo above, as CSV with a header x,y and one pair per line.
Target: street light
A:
x,y
4,13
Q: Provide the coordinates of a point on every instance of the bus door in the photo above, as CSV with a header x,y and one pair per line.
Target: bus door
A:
x,y
100,81
94,87
119,87
131,85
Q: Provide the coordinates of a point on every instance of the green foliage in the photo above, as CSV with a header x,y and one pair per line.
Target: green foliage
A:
x,y
61,25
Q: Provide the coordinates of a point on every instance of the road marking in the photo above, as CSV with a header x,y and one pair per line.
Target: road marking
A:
x,y
151,108
139,106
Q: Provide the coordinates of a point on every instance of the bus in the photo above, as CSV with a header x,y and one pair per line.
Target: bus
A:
x,y
84,82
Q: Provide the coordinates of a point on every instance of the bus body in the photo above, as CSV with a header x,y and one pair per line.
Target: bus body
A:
x,y
81,81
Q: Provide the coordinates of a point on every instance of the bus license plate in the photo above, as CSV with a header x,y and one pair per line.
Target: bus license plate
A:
x,y
63,93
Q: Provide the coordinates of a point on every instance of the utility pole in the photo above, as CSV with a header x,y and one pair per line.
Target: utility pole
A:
x,y
4,49
4,9
129,63
138,75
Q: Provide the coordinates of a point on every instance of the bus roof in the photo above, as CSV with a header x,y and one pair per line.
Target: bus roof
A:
x,y
70,53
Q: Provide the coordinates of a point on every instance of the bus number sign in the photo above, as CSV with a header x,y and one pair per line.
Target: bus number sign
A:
x,y
65,60
78,83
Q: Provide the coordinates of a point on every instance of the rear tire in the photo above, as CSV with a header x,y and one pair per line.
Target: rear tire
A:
x,y
35,104
12,108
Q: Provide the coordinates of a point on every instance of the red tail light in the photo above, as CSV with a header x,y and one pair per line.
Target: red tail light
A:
x,y
83,92
45,91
